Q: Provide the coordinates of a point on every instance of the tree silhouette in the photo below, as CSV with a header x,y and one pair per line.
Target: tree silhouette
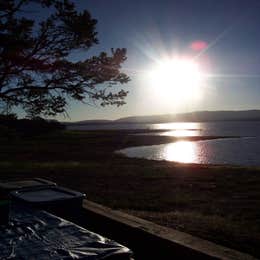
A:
x,y
36,71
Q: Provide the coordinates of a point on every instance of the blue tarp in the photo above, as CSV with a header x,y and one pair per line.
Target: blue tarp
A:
x,y
36,234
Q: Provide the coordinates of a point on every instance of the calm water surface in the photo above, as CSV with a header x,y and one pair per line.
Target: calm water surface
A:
x,y
243,151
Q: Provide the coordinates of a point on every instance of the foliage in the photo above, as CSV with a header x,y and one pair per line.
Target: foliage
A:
x,y
11,127
36,71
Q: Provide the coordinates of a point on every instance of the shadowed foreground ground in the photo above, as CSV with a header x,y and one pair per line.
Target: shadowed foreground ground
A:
x,y
221,204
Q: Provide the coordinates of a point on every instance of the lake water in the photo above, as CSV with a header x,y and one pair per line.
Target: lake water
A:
x,y
244,150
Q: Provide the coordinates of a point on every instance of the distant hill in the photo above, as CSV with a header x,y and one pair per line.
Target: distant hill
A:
x,y
198,116
85,122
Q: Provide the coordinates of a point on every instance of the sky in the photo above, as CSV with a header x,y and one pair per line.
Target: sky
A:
x,y
153,31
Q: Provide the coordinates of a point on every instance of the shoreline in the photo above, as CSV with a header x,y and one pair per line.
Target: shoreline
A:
x,y
218,203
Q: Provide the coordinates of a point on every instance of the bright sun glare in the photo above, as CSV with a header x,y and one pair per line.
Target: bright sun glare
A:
x,y
179,79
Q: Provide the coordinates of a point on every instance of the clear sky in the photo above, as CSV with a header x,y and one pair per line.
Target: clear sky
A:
x,y
153,30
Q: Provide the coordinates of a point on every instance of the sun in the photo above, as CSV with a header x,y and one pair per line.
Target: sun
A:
x,y
179,79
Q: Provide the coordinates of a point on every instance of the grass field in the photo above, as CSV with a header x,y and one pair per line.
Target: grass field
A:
x,y
218,203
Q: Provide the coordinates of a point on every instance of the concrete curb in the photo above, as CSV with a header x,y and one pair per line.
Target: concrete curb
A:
x,y
160,240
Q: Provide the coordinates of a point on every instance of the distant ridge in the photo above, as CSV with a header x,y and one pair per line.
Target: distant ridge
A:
x,y
96,121
197,116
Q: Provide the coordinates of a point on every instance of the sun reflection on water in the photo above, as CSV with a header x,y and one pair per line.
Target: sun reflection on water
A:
x,y
182,151
181,133
178,126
